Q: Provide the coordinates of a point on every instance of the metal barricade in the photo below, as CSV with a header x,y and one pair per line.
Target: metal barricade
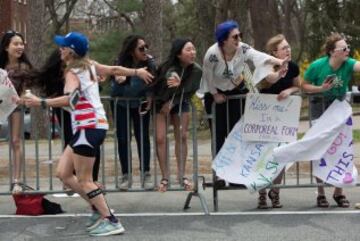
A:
x,y
40,155
299,175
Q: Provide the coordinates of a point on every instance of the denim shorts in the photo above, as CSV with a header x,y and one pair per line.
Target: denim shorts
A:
x,y
185,107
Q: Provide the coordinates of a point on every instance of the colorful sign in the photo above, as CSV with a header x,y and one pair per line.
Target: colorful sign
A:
x,y
249,163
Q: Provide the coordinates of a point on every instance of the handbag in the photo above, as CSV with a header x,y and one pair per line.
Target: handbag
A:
x,y
29,204
34,204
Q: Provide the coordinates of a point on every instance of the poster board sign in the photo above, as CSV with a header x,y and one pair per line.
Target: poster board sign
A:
x,y
267,119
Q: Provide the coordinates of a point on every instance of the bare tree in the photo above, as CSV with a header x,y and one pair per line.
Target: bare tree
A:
x,y
57,20
264,20
206,19
36,46
153,26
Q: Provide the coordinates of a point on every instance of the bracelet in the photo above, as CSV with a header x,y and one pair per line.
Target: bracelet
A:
x,y
135,74
43,103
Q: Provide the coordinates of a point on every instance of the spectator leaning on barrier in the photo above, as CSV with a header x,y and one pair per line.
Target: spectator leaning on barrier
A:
x,y
14,60
331,76
224,63
50,80
287,82
177,80
133,54
89,124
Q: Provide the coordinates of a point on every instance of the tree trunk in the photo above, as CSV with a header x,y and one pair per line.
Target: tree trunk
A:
x,y
36,47
153,27
206,18
264,20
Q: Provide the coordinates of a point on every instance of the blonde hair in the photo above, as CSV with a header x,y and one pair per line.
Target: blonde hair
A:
x,y
273,42
81,63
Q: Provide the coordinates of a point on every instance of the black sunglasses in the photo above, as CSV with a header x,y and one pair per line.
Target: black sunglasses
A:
x,y
237,36
12,32
143,48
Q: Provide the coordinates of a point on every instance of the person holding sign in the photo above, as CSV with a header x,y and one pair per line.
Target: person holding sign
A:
x,y
14,60
224,63
287,82
330,75
89,124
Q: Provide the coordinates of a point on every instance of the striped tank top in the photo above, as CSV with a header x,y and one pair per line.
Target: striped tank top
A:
x,y
89,112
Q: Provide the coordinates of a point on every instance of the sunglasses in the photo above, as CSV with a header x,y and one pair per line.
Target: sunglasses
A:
x,y
143,48
344,49
12,32
237,36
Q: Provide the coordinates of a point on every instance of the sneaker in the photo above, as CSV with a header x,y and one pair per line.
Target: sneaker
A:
x,y
106,228
93,221
147,180
124,183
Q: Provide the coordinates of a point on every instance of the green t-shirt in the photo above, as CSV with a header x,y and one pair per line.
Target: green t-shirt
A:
x,y
320,69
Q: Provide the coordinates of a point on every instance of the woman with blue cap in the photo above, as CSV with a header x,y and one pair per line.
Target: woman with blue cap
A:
x,y
223,65
89,125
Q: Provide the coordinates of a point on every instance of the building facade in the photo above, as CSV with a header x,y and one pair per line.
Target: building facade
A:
x,y
14,16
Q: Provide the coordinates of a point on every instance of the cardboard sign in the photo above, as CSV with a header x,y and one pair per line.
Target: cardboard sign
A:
x,y
270,120
248,163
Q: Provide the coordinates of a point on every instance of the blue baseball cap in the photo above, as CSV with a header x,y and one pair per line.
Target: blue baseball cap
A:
x,y
74,40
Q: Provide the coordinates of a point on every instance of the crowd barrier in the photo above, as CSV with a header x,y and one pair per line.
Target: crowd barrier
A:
x,y
300,175
41,155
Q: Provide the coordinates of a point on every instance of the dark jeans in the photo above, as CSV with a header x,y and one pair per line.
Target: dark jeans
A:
x,y
225,120
318,106
65,126
143,145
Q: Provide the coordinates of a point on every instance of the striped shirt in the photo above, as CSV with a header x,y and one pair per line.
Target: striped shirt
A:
x,y
89,112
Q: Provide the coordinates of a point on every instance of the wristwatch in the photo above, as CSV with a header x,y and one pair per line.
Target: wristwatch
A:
x,y
43,103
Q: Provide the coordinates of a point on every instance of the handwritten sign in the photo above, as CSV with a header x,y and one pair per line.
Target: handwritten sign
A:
x,y
8,96
267,119
248,163
336,167
319,138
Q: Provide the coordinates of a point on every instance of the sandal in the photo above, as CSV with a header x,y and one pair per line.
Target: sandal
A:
x,y
16,188
341,201
262,204
187,184
164,183
322,202
275,199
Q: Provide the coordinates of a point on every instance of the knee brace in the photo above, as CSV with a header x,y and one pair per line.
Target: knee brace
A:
x,y
94,193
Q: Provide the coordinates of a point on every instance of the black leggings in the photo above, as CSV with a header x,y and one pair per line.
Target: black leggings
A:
x,y
224,119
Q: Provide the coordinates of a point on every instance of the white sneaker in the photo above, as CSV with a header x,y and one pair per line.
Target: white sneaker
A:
x,y
93,221
124,183
147,182
106,228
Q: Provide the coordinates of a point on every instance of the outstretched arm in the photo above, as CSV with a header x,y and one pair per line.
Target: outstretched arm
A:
x,y
120,70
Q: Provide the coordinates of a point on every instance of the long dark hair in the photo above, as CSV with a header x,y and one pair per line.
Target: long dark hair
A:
x,y
125,57
173,59
5,42
50,78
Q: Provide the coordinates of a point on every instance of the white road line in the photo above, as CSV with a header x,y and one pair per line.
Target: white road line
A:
x,y
255,213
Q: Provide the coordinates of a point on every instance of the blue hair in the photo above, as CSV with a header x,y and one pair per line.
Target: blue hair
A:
x,y
223,30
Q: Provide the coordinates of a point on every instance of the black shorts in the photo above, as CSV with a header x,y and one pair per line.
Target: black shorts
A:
x,y
86,142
